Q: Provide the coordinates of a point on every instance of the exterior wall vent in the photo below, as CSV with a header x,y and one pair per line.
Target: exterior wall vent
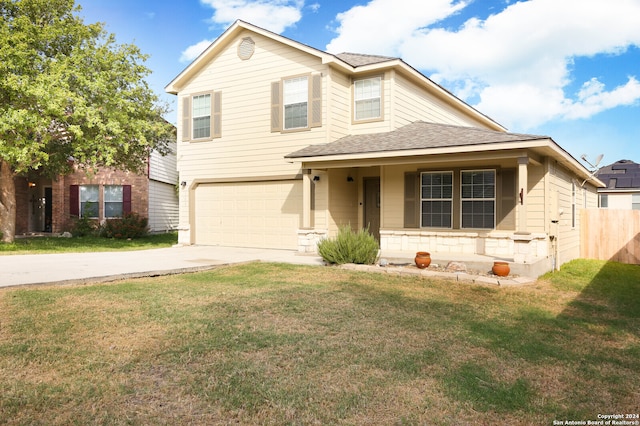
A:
x,y
246,48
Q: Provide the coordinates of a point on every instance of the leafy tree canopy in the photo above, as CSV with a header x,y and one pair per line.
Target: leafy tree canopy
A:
x,y
69,91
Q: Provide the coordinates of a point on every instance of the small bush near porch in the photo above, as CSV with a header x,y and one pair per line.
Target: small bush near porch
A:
x,y
282,344
349,246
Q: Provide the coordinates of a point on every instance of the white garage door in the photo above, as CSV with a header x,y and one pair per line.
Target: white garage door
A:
x,y
254,214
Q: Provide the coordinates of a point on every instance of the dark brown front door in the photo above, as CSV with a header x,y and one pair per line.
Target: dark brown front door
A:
x,y
372,205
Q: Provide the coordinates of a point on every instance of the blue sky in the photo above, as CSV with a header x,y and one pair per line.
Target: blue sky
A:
x,y
569,69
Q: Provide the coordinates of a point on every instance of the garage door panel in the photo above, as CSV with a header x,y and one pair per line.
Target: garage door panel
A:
x,y
257,214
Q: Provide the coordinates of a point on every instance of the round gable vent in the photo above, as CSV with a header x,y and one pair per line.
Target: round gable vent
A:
x,y
246,48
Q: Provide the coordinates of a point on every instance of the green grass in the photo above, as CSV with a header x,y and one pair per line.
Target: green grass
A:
x,y
40,245
283,344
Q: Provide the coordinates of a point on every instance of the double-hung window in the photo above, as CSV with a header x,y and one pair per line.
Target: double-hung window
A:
x,y
113,201
367,95
436,199
89,199
295,100
478,198
201,116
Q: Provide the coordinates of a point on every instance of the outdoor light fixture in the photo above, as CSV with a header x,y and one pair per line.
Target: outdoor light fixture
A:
x,y
183,183
316,178
349,179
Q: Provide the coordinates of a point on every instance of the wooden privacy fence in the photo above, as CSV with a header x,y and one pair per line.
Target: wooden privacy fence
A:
x,y
610,235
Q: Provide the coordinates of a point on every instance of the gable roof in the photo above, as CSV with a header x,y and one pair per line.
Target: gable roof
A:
x,y
350,63
417,135
623,174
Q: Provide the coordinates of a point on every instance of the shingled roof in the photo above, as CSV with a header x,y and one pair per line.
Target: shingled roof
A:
x,y
358,59
623,174
417,135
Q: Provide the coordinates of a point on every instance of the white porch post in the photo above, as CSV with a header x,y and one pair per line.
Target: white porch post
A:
x,y
306,199
522,193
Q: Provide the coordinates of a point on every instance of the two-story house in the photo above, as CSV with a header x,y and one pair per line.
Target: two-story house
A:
x,y
279,144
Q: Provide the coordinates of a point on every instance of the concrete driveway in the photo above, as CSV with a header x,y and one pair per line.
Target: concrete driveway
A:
x,y
78,268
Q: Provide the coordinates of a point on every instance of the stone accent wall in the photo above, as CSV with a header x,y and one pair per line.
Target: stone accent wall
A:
x,y
308,239
522,248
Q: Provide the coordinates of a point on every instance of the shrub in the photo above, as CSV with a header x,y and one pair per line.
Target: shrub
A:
x,y
131,225
349,247
83,227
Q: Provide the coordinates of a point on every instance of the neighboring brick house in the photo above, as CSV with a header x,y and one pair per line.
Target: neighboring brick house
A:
x,y
51,205
622,180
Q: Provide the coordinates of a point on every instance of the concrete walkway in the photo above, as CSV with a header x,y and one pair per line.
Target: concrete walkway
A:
x,y
79,268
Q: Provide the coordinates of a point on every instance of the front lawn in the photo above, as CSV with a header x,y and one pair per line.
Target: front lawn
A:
x,y
283,344
39,245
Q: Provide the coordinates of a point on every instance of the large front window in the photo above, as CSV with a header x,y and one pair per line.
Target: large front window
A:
x,y
436,199
478,194
201,116
89,201
295,99
367,95
113,201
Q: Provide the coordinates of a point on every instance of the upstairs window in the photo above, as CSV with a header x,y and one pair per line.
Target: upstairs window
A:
x,y
478,194
201,116
295,100
635,201
367,95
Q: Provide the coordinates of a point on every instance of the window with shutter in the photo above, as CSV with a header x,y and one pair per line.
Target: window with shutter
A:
x,y
202,116
296,103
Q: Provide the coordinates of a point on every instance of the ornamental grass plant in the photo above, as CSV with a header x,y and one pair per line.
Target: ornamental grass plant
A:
x,y
349,247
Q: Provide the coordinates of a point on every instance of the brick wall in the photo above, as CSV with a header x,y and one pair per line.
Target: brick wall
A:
x,y
62,220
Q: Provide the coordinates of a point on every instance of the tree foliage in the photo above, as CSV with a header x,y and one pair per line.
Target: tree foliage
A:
x,y
69,91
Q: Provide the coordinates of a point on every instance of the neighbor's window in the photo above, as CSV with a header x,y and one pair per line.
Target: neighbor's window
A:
x,y
436,190
295,99
635,201
89,200
366,97
201,116
604,201
113,201
478,193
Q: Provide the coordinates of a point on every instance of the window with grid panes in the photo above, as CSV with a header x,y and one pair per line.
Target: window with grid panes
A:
x,y
436,198
295,100
478,198
201,116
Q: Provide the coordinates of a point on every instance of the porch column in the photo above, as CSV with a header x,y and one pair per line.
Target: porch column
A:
x,y
306,199
522,193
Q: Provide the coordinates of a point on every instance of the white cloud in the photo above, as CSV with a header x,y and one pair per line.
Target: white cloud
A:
x,y
192,52
272,15
516,63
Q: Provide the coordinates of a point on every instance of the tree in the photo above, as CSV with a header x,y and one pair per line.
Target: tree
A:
x,y
69,94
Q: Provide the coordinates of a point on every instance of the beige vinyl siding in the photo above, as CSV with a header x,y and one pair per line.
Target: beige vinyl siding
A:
x,y
414,103
247,147
536,206
163,206
343,201
392,183
569,237
338,105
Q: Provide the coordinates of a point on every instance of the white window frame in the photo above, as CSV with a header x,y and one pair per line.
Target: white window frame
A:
x,y
483,198
295,93
441,198
106,196
364,93
200,112
635,201
82,199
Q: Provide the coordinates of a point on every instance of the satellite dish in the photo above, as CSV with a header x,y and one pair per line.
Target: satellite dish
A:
x,y
598,160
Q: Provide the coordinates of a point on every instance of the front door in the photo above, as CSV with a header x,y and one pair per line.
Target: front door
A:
x,y
372,206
